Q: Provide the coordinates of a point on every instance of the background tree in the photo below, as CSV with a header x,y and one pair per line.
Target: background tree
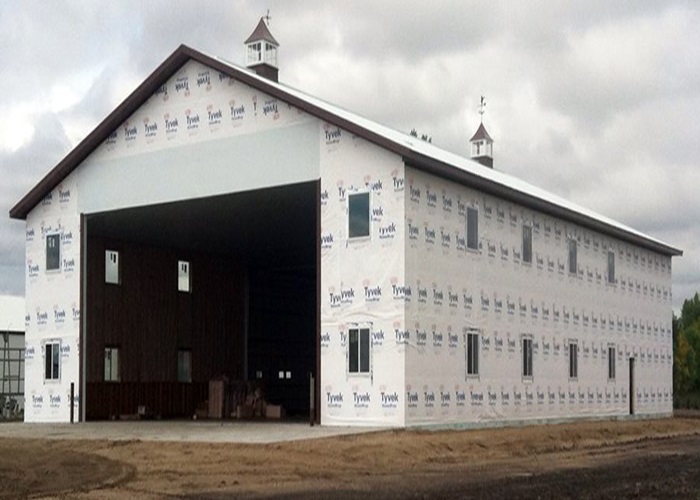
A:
x,y
686,351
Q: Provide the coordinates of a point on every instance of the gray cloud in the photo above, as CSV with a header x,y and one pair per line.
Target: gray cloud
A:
x,y
595,101
21,169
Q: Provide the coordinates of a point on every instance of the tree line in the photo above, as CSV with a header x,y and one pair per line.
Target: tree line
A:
x,y
686,354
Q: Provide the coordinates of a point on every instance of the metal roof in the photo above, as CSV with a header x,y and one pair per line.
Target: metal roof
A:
x,y
415,152
481,133
261,33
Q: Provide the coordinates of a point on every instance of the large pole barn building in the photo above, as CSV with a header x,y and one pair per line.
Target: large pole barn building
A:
x,y
220,224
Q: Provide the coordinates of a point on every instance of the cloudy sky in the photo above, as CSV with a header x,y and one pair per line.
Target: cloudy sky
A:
x,y
596,101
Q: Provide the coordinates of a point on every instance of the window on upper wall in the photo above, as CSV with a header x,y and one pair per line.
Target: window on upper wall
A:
x,y
358,215
527,244
111,364
358,350
184,280
184,365
52,367
611,267
527,357
573,266
53,252
611,363
472,228
112,274
573,360
473,353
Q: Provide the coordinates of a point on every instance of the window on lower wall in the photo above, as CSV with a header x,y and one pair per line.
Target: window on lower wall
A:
x,y
184,365
527,357
611,363
358,215
53,252
573,360
611,267
472,349
472,228
111,364
52,369
359,350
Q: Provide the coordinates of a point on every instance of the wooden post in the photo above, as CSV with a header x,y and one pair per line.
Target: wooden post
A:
x,y
72,399
312,406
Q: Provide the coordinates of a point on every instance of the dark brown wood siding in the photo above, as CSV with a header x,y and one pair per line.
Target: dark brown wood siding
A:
x,y
149,321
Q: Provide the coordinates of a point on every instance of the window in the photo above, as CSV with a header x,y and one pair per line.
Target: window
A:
x,y
472,228
611,363
112,267
270,54
527,357
358,215
611,267
111,364
184,282
53,361
572,257
184,365
254,52
53,252
358,357
527,244
573,360
472,353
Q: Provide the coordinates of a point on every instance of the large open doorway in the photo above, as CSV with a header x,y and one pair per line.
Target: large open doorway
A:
x,y
249,316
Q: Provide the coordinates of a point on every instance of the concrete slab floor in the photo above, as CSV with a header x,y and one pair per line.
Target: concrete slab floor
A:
x,y
185,431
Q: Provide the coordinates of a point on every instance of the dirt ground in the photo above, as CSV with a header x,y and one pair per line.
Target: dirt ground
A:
x,y
631,459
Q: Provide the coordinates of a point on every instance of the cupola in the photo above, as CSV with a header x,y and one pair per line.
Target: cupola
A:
x,y
481,142
261,52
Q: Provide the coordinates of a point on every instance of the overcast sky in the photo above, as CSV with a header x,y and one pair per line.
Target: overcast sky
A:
x,y
596,101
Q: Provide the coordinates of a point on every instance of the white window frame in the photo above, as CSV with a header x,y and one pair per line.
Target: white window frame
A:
x,y
53,237
475,245
270,54
358,370
112,261
472,345
362,237
111,364
527,358
255,52
184,276
55,352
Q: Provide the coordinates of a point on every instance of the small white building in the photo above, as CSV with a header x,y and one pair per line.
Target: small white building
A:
x,y
12,324
221,223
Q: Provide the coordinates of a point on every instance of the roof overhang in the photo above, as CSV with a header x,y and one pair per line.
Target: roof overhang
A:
x,y
314,107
